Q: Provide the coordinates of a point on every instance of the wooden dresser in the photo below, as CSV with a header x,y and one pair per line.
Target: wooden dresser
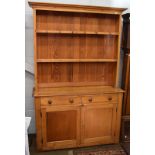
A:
x,y
76,60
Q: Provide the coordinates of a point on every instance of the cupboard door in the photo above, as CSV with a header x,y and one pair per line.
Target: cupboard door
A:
x,y
60,127
98,123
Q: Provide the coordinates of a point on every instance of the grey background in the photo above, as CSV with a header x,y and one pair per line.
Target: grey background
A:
x,y
29,62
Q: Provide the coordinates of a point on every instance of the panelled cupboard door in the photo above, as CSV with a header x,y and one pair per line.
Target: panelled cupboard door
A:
x,y
60,127
98,123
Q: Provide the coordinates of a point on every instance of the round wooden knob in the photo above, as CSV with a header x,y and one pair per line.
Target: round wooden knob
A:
x,y
49,101
90,99
110,98
71,100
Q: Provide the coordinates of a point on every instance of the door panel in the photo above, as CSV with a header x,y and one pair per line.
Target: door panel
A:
x,y
60,126
98,123
96,128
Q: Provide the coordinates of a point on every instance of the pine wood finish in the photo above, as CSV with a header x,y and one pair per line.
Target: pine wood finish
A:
x,y
60,126
98,130
76,58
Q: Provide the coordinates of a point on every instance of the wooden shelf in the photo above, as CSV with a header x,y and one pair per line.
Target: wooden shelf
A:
x,y
46,90
75,32
76,60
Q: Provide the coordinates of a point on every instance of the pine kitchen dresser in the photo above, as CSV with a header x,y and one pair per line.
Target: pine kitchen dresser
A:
x,y
76,60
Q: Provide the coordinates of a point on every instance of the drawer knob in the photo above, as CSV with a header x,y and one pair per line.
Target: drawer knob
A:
x,y
71,100
49,101
90,99
110,98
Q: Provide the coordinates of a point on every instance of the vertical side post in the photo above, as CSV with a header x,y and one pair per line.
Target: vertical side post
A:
x,y
35,52
118,52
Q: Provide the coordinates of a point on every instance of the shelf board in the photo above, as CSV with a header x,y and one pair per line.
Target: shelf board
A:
x,y
76,60
78,88
76,32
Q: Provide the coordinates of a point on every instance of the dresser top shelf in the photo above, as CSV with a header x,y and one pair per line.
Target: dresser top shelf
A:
x,y
78,90
75,8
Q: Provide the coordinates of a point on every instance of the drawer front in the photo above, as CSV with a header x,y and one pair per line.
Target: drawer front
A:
x,y
60,100
99,98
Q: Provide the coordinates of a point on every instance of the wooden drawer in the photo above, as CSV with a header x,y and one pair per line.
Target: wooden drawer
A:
x,y
60,100
99,98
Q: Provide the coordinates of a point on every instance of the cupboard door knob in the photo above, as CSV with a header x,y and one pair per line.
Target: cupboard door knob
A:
x,y
49,101
110,98
90,99
71,100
